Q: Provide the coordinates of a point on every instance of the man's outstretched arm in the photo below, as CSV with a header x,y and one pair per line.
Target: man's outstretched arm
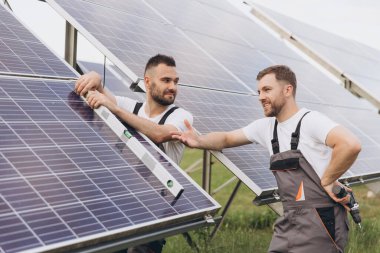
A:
x,y
211,141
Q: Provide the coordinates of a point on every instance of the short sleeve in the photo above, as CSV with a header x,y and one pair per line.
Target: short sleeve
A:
x,y
318,126
126,103
178,117
257,131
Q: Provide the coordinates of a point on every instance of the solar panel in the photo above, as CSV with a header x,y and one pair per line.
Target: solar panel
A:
x,y
351,58
223,5
68,181
22,53
129,41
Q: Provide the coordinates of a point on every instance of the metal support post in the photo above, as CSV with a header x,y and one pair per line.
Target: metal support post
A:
x,y
71,45
224,213
206,175
190,241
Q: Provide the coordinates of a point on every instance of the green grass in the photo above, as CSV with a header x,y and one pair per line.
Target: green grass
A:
x,y
248,228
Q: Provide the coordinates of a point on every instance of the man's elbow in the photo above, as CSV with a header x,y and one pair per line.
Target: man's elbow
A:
x,y
159,138
355,147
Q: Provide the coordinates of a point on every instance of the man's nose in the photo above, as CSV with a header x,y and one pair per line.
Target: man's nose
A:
x,y
261,96
172,86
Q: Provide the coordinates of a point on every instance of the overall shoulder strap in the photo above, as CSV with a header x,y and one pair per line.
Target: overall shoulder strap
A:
x,y
137,108
166,115
275,145
296,135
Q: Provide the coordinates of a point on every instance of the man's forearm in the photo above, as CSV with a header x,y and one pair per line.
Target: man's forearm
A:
x,y
341,160
107,93
157,133
213,141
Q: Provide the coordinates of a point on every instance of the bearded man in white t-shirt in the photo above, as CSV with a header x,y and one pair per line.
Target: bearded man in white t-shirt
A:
x,y
309,152
161,83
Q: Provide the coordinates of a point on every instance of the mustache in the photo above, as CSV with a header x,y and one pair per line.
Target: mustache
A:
x,y
170,91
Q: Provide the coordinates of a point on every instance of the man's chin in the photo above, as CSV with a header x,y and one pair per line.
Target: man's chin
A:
x,y
268,113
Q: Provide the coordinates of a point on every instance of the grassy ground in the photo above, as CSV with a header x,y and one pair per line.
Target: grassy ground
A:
x,y
248,228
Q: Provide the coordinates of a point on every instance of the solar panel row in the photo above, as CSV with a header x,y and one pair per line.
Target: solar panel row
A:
x,y
66,179
60,161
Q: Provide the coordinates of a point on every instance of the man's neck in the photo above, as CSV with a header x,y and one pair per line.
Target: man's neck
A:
x,y
153,109
287,112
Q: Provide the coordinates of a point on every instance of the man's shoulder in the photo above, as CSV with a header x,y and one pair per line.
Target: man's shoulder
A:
x,y
313,115
261,123
181,110
179,115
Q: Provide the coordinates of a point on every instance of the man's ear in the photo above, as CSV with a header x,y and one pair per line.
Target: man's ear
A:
x,y
289,90
147,82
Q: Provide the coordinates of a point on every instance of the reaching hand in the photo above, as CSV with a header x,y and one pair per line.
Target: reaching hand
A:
x,y
87,82
342,201
96,99
189,137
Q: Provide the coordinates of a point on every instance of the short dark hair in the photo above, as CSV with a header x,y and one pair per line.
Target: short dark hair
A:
x,y
282,73
158,59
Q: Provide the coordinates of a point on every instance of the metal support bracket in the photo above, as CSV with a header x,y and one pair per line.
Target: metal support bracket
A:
x,y
71,45
206,175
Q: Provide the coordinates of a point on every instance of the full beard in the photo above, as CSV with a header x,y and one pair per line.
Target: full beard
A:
x,y
274,110
160,99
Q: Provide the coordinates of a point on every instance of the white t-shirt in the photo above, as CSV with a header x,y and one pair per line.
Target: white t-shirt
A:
x,y
174,149
314,130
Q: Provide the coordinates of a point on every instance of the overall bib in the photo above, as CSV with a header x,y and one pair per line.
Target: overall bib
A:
x,y
312,221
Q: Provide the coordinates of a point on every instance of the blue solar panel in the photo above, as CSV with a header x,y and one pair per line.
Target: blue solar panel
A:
x,y
61,162
129,49
22,53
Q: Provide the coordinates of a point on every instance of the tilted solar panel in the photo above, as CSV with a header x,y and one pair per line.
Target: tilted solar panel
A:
x,y
67,180
22,53
129,41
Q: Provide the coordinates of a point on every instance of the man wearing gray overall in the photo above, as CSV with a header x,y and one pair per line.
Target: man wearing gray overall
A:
x,y
309,152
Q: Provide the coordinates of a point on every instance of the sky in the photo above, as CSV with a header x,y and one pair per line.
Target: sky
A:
x,y
353,19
